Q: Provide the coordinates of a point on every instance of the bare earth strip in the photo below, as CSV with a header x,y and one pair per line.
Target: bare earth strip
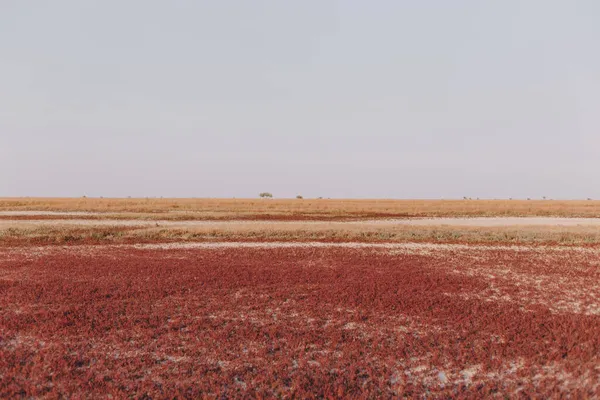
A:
x,y
498,221
33,213
473,222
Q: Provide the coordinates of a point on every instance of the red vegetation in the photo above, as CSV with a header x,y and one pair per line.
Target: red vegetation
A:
x,y
302,322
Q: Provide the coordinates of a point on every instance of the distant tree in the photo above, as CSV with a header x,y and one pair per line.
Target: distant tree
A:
x,y
299,197
265,195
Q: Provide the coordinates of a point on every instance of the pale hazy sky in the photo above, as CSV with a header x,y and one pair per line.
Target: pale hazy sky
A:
x,y
402,99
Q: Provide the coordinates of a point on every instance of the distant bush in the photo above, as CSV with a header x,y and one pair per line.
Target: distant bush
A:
x,y
265,195
299,197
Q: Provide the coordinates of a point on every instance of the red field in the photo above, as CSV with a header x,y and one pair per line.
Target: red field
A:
x,y
299,321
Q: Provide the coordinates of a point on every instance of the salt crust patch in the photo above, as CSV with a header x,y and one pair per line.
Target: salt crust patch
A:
x,y
472,222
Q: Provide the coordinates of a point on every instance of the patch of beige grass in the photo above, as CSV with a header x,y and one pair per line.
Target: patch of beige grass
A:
x,y
252,231
313,207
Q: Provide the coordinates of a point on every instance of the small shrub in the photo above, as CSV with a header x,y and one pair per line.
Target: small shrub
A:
x,y
299,197
265,195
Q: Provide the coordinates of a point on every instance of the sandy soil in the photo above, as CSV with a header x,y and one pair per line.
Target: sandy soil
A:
x,y
47,213
501,221
473,222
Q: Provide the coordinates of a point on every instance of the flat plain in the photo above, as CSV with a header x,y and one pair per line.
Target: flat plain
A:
x,y
217,298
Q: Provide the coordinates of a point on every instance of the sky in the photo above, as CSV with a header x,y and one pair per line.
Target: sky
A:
x,y
340,99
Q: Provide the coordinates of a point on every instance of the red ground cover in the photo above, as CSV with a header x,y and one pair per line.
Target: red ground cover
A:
x,y
299,322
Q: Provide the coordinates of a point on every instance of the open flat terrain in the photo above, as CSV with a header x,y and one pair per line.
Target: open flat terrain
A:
x,y
306,208
362,302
